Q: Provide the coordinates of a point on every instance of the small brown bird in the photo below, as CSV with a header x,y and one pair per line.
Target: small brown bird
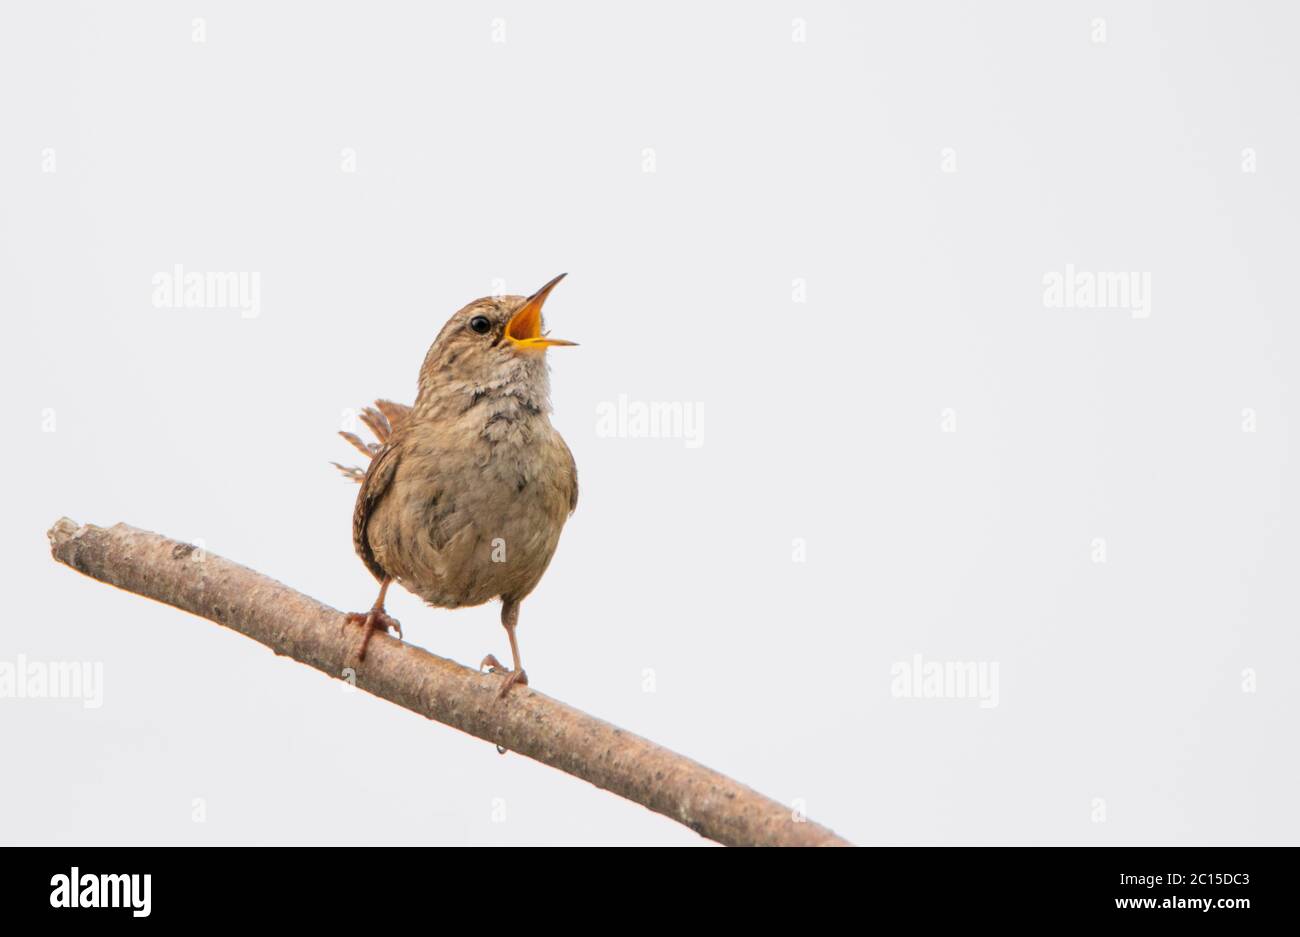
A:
x,y
467,490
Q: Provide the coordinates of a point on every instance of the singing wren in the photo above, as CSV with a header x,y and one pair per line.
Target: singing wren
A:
x,y
468,489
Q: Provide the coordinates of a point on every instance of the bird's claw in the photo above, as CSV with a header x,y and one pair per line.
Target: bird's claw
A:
x,y
374,620
513,677
491,665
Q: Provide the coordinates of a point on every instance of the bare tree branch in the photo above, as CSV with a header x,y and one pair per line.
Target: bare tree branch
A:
x,y
527,722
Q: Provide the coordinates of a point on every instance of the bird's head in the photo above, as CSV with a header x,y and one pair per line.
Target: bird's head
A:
x,y
494,345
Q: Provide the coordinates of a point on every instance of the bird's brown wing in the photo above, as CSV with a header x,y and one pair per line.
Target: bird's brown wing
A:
x,y
378,479
573,475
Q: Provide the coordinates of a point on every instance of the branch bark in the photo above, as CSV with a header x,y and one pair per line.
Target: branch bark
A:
x,y
526,722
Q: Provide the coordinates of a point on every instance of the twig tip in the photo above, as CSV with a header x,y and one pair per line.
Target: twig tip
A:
x,y
64,529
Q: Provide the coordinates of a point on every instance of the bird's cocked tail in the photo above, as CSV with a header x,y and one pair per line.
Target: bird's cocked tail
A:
x,y
382,419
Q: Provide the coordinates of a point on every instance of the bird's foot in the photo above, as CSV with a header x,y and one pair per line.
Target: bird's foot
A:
x,y
374,620
492,665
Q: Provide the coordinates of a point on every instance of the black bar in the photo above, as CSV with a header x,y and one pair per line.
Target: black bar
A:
x,y
207,886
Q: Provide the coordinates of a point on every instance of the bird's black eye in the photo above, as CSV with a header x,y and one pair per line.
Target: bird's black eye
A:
x,y
480,324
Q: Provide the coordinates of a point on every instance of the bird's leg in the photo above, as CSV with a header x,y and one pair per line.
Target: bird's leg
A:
x,y
374,620
509,619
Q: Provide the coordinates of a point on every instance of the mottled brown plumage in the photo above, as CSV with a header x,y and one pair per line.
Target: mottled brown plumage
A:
x,y
467,491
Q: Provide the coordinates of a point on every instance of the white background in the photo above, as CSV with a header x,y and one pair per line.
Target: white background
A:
x,y
1121,683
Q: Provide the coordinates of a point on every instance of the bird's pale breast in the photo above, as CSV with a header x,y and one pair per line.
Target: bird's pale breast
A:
x,y
474,515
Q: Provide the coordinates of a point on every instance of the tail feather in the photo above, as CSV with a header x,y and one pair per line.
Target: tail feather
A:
x,y
377,424
381,419
357,475
366,450
394,412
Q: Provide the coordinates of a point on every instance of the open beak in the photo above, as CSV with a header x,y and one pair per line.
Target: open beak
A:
x,y
525,327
